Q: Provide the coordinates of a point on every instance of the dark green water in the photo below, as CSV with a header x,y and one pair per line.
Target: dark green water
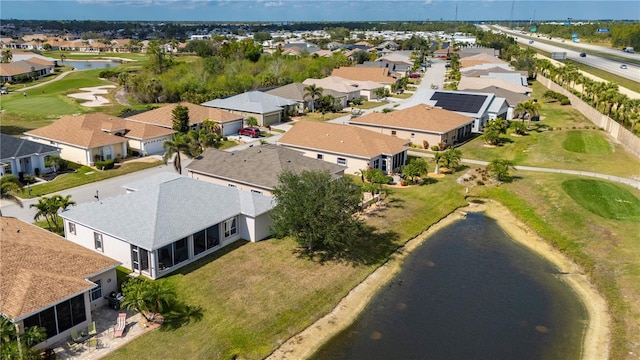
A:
x,y
469,292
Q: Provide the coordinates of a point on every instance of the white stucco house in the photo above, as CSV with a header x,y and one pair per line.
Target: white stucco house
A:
x,y
168,221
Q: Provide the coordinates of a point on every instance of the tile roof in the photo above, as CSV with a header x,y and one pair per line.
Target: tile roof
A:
x,y
419,117
39,268
376,74
164,210
258,165
88,130
341,139
163,116
255,102
11,146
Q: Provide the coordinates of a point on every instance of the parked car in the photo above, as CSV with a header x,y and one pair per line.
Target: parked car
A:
x,y
252,132
623,66
414,76
530,41
583,54
447,65
4,91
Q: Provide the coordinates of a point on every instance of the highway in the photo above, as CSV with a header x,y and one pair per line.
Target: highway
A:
x,y
612,66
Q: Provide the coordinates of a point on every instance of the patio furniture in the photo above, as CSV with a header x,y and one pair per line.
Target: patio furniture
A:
x,y
93,343
121,323
91,330
75,336
74,346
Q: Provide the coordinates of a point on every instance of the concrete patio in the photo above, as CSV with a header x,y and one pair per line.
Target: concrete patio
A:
x,y
105,319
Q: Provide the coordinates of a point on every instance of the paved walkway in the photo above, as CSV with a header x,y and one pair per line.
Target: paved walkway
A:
x,y
59,77
622,180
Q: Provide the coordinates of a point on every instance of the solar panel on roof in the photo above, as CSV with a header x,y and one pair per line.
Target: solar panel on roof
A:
x,y
459,102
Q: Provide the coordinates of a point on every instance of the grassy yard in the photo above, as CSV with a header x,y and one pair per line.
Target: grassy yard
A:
x,y
316,116
85,175
562,139
256,295
370,105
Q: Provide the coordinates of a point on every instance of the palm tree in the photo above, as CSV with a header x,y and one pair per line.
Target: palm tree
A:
x,y
9,186
211,126
451,157
7,55
500,169
251,121
44,209
313,92
529,109
147,297
20,346
173,147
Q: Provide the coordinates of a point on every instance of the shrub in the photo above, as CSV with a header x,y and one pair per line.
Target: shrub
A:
x,y
29,179
106,164
108,74
480,182
425,144
565,101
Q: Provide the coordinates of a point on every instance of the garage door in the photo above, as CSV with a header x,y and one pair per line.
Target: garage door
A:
x,y
231,128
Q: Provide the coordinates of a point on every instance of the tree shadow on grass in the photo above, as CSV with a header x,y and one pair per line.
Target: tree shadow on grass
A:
x,y
369,248
179,315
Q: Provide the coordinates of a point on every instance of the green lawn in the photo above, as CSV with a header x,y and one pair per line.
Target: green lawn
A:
x,y
85,175
255,296
604,199
564,138
370,105
586,142
47,103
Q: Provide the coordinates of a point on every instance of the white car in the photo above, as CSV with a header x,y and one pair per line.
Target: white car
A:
x,y
623,66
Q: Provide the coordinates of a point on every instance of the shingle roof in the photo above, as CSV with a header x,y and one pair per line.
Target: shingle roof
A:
x,y
376,74
163,116
513,98
88,130
477,72
255,102
469,83
481,58
11,146
165,210
258,165
419,117
21,67
39,268
341,139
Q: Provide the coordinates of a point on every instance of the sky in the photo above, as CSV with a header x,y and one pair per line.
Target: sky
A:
x,y
318,10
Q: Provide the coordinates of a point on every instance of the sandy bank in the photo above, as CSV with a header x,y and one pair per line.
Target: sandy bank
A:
x,y
596,340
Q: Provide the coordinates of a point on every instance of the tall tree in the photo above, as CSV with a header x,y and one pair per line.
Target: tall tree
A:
x,y
20,346
7,56
313,92
316,210
180,118
173,148
49,207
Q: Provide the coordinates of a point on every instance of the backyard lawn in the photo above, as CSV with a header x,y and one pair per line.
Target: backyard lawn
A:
x,y
255,296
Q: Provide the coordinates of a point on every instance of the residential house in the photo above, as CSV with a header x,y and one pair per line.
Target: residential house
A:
x,y
168,222
353,89
266,108
375,74
25,69
21,157
229,122
474,83
255,169
50,282
296,92
512,98
97,136
470,104
345,145
478,59
421,124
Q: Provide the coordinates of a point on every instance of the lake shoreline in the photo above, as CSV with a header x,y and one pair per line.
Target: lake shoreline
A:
x,y
596,339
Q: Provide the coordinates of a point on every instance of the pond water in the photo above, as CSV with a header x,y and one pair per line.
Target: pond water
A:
x,y
468,292
88,65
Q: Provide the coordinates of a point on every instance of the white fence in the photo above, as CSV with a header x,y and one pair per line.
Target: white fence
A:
x,y
617,131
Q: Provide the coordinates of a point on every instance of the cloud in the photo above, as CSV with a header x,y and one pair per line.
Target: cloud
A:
x,y
274,3
428,2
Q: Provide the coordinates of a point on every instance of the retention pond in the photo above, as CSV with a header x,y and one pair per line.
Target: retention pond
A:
x,y
468,292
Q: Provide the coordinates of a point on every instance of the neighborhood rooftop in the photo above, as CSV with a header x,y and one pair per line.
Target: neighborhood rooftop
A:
x,y
150,214
38,268
418,117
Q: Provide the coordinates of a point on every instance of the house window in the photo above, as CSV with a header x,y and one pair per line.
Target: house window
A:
x,y
342,161
256,191
72,228
393,133
320,156
97,241
230,227
96,292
